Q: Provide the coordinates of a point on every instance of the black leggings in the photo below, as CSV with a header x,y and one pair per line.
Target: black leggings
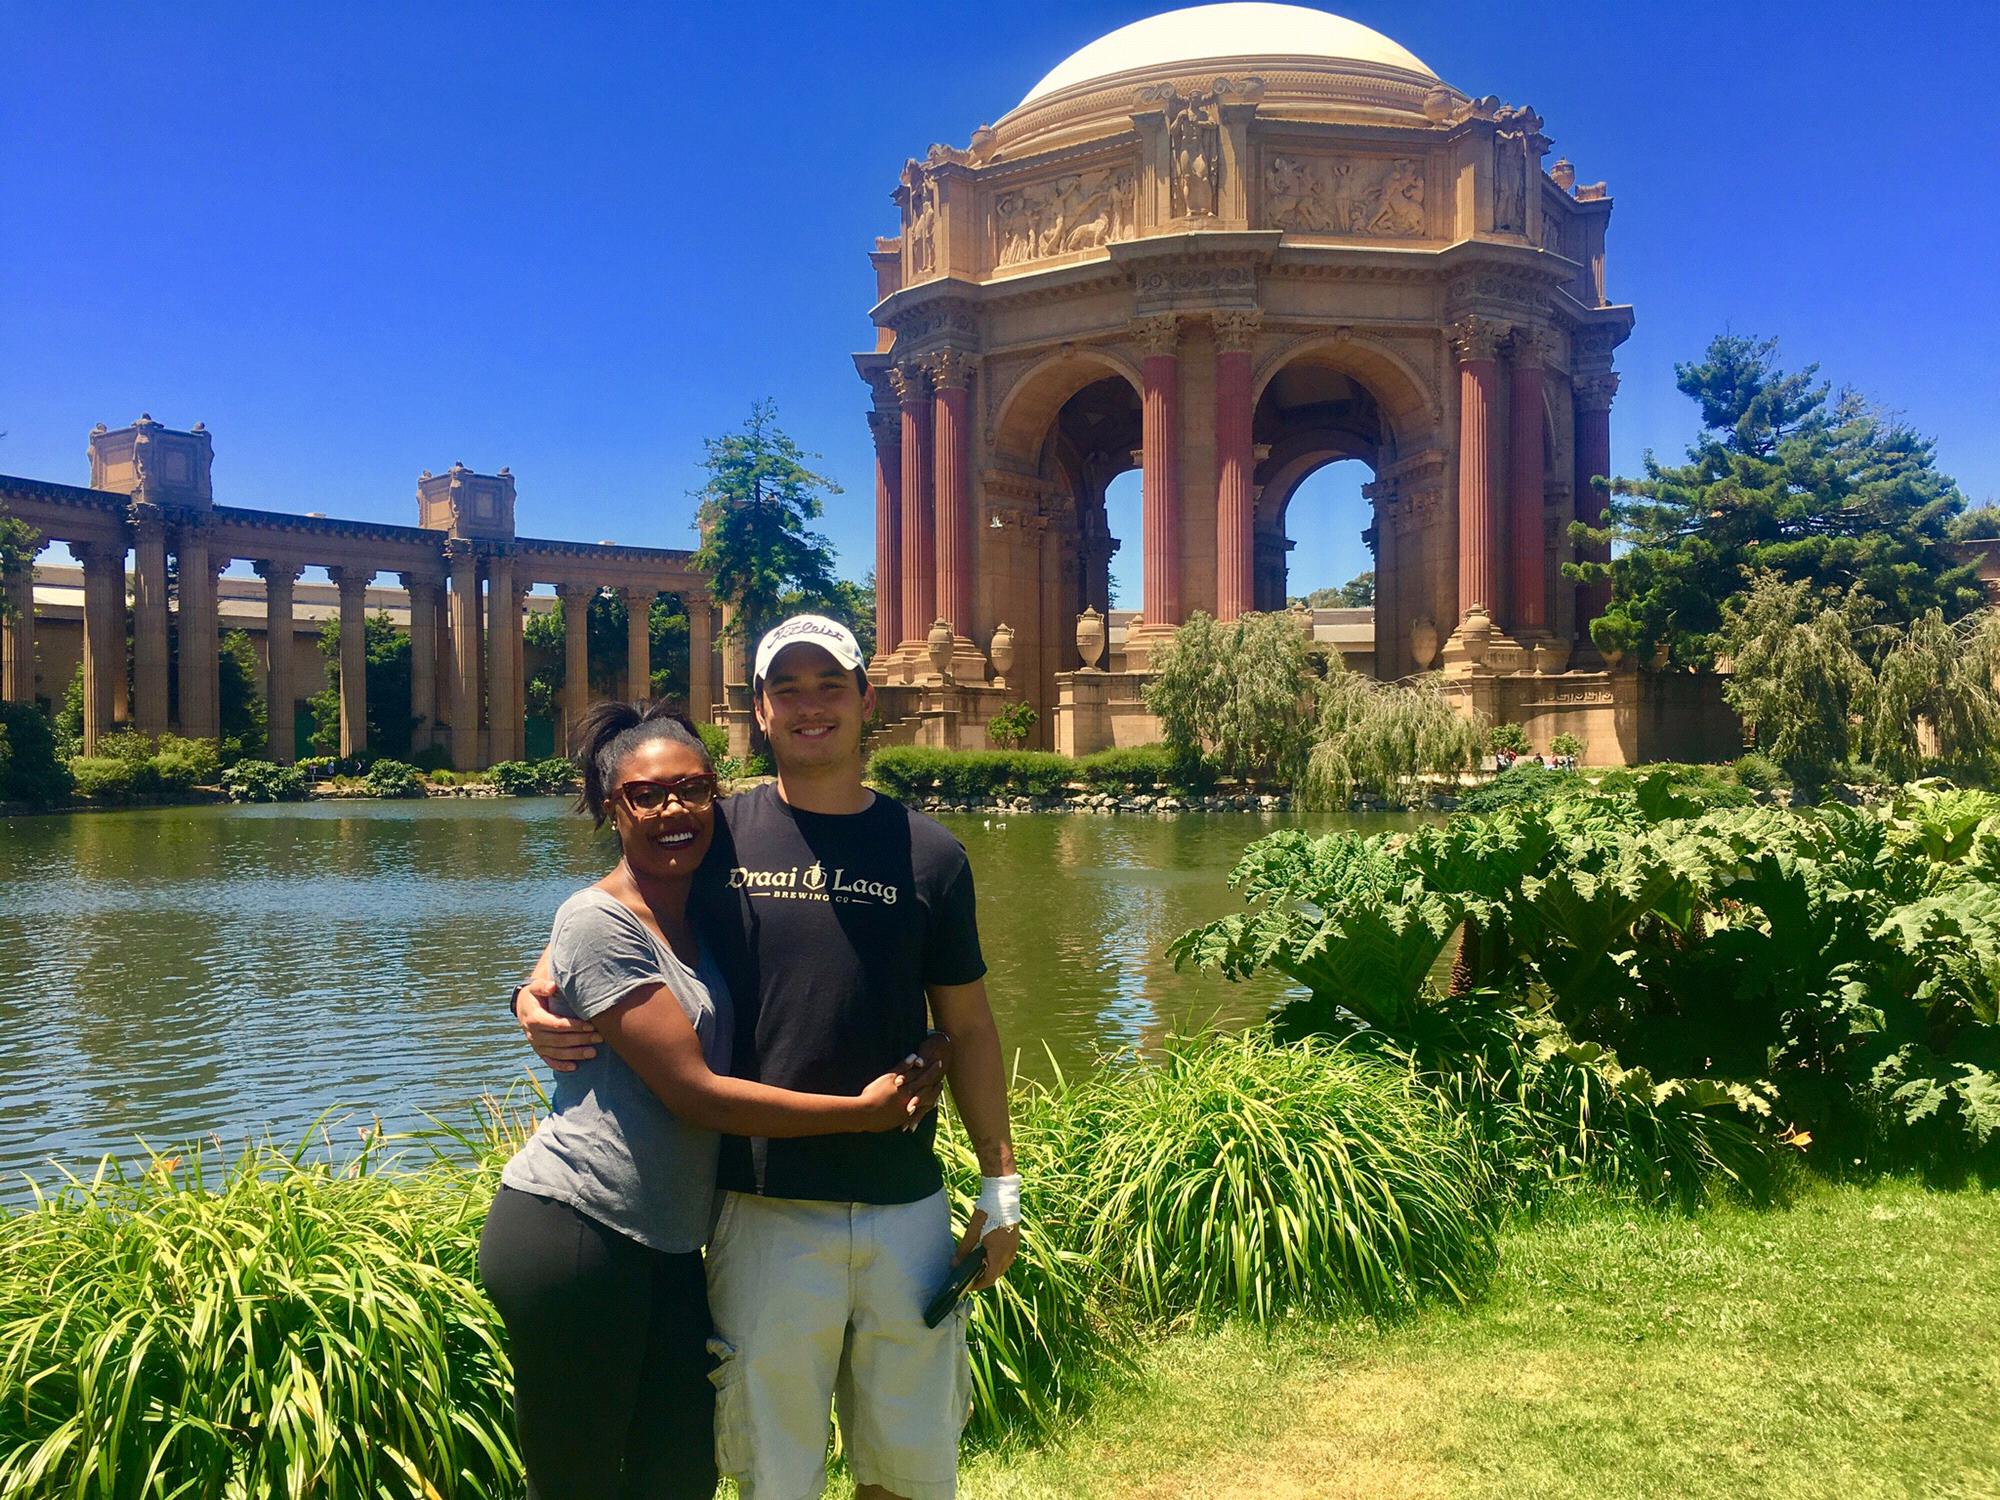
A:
x,y
610,1348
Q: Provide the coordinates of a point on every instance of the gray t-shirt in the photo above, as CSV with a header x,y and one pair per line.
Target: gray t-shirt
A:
x,y
611,1149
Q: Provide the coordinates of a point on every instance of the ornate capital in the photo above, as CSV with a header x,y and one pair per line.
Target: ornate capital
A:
x,y
1476,338
148,520
351,580
1235,332
950,369
458,551
1158,334
886,427
412,582
911,382
273,571
1595,392
573,593
1532,346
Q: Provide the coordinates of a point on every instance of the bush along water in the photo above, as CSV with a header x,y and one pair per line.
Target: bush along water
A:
x,y
283,1327
1653,993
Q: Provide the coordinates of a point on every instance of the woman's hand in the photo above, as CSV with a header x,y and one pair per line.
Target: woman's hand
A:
x,y
899,1099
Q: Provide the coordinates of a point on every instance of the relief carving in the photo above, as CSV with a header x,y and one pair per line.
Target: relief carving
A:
x,y
1345,195
1079,211
1194,146
920,226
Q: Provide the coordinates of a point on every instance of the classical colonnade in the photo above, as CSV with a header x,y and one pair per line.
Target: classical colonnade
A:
x,y
466,575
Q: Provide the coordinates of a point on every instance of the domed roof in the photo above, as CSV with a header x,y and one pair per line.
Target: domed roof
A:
x,y
1225,33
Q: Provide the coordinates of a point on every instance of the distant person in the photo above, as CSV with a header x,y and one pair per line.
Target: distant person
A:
x,y
591,1250
853,925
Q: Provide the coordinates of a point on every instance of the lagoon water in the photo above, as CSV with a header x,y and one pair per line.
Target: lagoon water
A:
x,y
168,974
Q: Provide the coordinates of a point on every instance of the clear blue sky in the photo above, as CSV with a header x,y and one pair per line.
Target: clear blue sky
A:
x,y
363,241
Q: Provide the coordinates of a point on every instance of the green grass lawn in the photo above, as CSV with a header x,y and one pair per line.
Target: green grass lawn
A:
x,y
1846,1347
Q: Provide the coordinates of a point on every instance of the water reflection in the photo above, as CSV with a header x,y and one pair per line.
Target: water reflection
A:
x,y
171,973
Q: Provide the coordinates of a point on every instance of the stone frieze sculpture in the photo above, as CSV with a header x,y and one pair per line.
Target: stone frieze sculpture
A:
x,y
1345,195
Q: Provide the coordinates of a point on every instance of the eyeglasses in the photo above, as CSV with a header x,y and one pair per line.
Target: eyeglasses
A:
x,y
692,792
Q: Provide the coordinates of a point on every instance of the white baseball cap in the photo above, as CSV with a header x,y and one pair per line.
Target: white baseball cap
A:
x,y
830,636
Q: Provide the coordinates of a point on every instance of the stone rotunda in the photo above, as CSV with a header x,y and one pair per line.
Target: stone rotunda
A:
x,y
1227,246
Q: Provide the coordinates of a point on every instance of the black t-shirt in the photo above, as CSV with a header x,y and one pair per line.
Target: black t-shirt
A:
x,y
828,928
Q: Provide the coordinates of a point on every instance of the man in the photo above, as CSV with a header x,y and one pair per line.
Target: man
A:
x,y
847,923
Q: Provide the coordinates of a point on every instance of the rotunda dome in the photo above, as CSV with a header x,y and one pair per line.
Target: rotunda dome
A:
x,y
1227,33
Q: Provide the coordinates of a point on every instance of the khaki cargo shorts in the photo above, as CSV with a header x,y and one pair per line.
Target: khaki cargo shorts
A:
x,y
821,1304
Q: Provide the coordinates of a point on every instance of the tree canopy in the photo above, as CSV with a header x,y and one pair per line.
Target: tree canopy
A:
x,y
758,546
18,544
1239,695
1785,477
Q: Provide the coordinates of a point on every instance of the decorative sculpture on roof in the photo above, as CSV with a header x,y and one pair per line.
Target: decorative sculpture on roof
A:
x,y
1194,146
1077,211
1345,195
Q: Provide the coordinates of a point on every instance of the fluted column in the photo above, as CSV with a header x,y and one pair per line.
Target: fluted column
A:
x,y
701,655
103,640
1474,341
422,589
280,632
638,642
196,567
887,429
353,585
1236,462
17,635
501,632
1526,480
919,588
463,565
517,655
1594,394
576,599
1160,470
951,371
149,618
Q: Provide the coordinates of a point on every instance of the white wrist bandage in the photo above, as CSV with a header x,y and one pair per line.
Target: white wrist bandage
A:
x,y
1000,1201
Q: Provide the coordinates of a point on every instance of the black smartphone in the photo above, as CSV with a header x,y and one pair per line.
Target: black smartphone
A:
x,y
940,1306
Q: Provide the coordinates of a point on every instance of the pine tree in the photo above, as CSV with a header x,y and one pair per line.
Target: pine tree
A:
x,y
1833,492
757,543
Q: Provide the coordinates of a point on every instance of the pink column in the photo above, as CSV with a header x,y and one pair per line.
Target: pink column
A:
x,y
1235,518
919,543
1525,482
1593,458
887,428
1474,341
1160,471
950,371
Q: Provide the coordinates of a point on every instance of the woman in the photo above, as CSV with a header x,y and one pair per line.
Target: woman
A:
x,y
592,1248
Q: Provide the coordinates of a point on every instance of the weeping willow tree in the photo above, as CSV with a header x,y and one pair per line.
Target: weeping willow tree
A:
x,y
1237,694
1939,677
1796,674
1377,736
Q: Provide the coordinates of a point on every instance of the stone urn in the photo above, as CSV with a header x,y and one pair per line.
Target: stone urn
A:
x,y
1551,656
1001,653
1475,634
1424,641
1090,638
939,642
1612,657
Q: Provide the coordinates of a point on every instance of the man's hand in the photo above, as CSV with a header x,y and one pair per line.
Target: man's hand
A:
x,y
560,1041
1002,1245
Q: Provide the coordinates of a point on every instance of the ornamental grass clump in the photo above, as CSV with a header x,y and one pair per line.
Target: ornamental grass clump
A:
x,y
276,1328
1242,1176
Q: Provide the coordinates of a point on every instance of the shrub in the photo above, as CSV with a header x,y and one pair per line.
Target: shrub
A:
x,y
177,764
539,778
1567,744
1697,786
907,772
1239,1176
127,745
235,1333
1011,726
432,758
1511,738
261,781
103,778
318,765
715,740
1377,736
742,767
1141,768
33,773
1758,772
1239,695
1524,784
393,778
